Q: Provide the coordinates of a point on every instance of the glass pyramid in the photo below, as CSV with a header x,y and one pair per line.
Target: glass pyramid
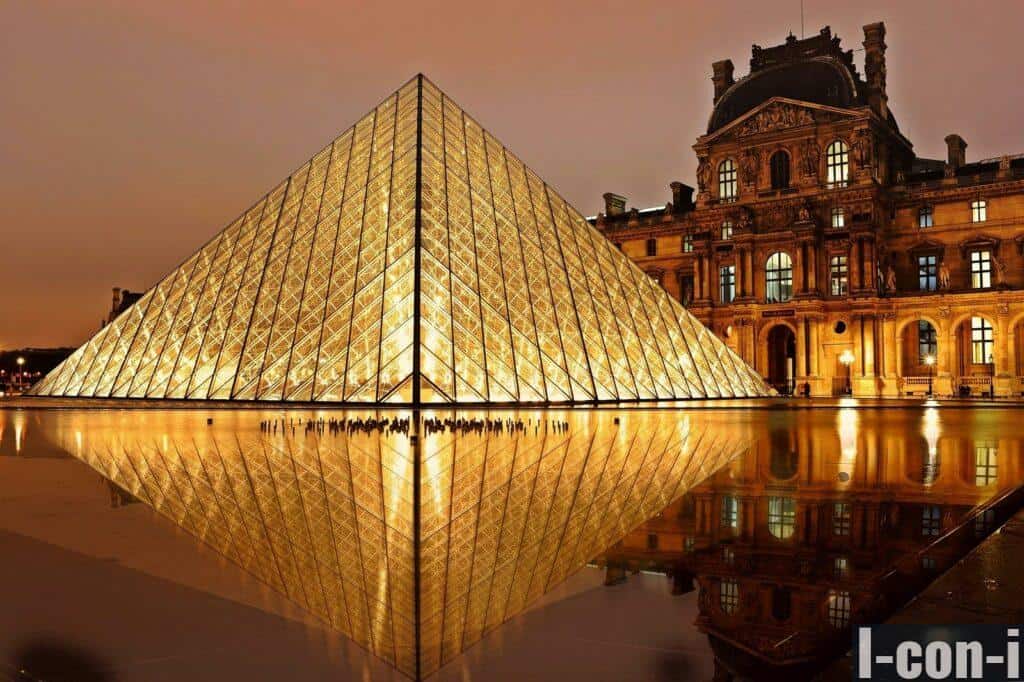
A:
x,y
414,563
413,260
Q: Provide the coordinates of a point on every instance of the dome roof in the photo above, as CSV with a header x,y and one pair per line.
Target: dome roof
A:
x,y
821,80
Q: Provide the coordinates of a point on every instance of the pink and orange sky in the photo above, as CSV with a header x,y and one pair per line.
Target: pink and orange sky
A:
x,y
133,131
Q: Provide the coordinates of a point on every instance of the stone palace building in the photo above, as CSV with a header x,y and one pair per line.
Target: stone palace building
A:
x,y
824,250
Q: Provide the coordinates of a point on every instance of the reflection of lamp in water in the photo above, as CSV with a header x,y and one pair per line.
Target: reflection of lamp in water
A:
x,y
931,432
930,361
846,359
847,442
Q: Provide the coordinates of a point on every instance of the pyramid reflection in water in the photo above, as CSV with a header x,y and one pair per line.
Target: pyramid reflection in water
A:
x,y
413,260
329,518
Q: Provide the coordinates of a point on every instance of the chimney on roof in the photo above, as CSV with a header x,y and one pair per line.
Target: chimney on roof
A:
x,y
117,299
956,151
614,204
682,197
874,68
722,77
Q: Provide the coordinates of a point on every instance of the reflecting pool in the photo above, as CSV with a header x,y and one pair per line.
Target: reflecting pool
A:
x,y
418,534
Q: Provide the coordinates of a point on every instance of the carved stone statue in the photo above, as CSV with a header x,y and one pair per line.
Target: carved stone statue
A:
x,y
943,275
749,166
998,271
703,174
890,279
862,149
810,154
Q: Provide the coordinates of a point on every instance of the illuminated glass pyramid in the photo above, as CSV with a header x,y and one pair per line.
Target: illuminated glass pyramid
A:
x,y
413,260
416,564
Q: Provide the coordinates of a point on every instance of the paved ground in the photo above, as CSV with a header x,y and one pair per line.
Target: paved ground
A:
x,y
985,587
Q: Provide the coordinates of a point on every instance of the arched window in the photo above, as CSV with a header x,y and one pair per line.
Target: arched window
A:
x,y
837,159
779,278
779,164
727,180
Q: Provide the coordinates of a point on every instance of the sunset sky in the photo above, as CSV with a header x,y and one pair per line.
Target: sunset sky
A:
x,y
131,132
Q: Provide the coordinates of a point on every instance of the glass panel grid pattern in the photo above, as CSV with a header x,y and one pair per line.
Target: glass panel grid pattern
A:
x,y
329,517
413,260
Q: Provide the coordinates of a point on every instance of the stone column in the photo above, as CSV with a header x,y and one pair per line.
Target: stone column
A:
x,y
812,267
698,278
870,277
800,279
853,271
750,271
1002,381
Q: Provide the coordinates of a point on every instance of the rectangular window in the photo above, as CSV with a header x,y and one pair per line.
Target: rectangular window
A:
x,y
652,247
984,465
730,512
928,563
781,516
838,608
687,243
925,216
652,541
728,555
981,341
979,211
729,596
841,567
927,341
927,273
727,229
984,523
727,181
689,544
686,289
838,217
981,269
838,275
727,283
931,521
841,516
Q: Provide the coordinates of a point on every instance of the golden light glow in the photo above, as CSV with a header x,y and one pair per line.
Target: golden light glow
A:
x,y
328,519
311,294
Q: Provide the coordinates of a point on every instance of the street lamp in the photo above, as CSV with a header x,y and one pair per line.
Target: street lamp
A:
x,y
21,370
846,358
930,361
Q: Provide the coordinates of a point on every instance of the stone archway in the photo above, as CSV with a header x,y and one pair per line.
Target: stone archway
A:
x,y
781,365
973,361
917,342
1015,346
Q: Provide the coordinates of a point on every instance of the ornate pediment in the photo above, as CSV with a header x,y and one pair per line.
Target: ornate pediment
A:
x,y
776,116
779,113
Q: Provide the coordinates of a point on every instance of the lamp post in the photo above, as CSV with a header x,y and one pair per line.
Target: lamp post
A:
x,y
930,361
846,358
21,371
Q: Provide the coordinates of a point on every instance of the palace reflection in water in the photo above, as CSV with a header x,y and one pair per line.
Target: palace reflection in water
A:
x,y
787,525
832,518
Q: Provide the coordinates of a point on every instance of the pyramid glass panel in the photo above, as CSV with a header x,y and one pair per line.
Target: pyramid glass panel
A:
x,y
413,260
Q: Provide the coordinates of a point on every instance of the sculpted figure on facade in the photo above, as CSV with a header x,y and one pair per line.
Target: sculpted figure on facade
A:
x,y
703,174
749,165
775,117
810,155
862,149
998,271
890,279
943,275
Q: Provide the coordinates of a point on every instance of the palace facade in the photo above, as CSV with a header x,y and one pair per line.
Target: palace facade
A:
x,y
828,254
